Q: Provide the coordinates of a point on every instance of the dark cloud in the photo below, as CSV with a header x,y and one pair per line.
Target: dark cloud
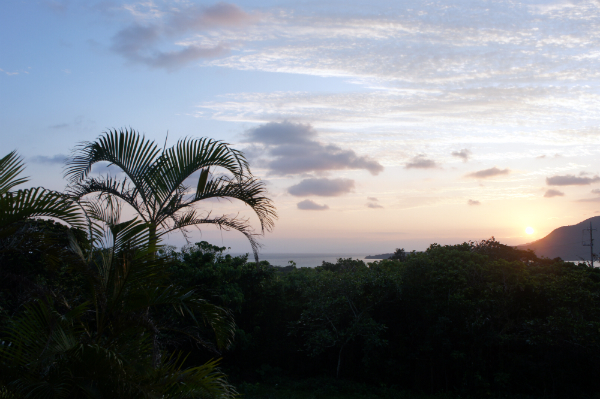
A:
x,y
59,126
553,193
55,159
484,174
308,205
373,205
372,199
421,162
282,133
322,187
571,180
464,154
294,149
139,43
473,202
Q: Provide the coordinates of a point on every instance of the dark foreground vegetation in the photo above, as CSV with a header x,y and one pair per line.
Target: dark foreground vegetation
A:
x,y
101,309
471,320
474,320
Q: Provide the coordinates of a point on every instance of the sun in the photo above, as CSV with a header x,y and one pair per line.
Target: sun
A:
x,y
529,230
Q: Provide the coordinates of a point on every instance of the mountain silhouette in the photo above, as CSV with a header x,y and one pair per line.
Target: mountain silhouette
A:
x,y
566,242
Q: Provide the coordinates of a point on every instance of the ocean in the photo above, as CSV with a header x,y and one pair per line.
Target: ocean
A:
x,y
306,259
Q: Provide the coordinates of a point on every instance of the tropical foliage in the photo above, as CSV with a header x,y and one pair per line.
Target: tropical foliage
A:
x,y
103,343
18,205
473,320
156,182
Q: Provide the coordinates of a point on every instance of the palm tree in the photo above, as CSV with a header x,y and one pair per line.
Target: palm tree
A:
x,y
16,206
155,183
103,344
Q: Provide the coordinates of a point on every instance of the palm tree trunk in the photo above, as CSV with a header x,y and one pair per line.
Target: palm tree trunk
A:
x,y
339,365
152,239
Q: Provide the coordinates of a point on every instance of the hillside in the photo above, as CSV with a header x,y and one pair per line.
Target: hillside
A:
x,y
566,242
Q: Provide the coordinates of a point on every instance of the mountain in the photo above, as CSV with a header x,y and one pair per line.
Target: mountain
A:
x,y
566,242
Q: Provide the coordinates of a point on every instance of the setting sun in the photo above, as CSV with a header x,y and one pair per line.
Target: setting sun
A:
x,y
529,230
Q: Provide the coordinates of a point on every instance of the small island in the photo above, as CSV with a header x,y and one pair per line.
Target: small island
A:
x,y
381,256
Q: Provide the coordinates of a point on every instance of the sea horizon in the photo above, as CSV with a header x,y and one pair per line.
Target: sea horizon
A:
x,y
306,259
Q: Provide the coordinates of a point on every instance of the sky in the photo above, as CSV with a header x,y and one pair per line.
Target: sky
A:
x,y
375,125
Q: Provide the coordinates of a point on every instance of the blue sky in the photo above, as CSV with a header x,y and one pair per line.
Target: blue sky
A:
x,y
375,125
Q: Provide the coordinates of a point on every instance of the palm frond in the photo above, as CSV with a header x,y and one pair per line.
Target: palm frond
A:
x,y
205,381
22,204
177,163
11,166
250,191
224,222
109,186
127,149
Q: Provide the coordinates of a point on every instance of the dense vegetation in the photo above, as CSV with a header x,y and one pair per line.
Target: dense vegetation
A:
x,y
470,320
101,309
473,319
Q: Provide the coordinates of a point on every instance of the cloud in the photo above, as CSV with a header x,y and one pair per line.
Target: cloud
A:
x,y
309,205
421,162
464,154
55,159
594,199
596,191
544,156
322,187
293,149
486,173
10,73
139,42
553,193
373,205
571,180
59,126
195,17
473,202
104,168
372,199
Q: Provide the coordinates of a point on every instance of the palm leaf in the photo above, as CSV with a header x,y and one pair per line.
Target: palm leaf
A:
x,y
132,153
10,167
224,222
249,190
108,186
204,381
190,155
35,202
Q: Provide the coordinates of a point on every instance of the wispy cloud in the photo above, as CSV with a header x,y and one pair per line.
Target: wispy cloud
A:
x,y
309,205
421,162
463,154
59,126
141,41
54,159
473,202
571,180
487,173
374,205
550,193
322,187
